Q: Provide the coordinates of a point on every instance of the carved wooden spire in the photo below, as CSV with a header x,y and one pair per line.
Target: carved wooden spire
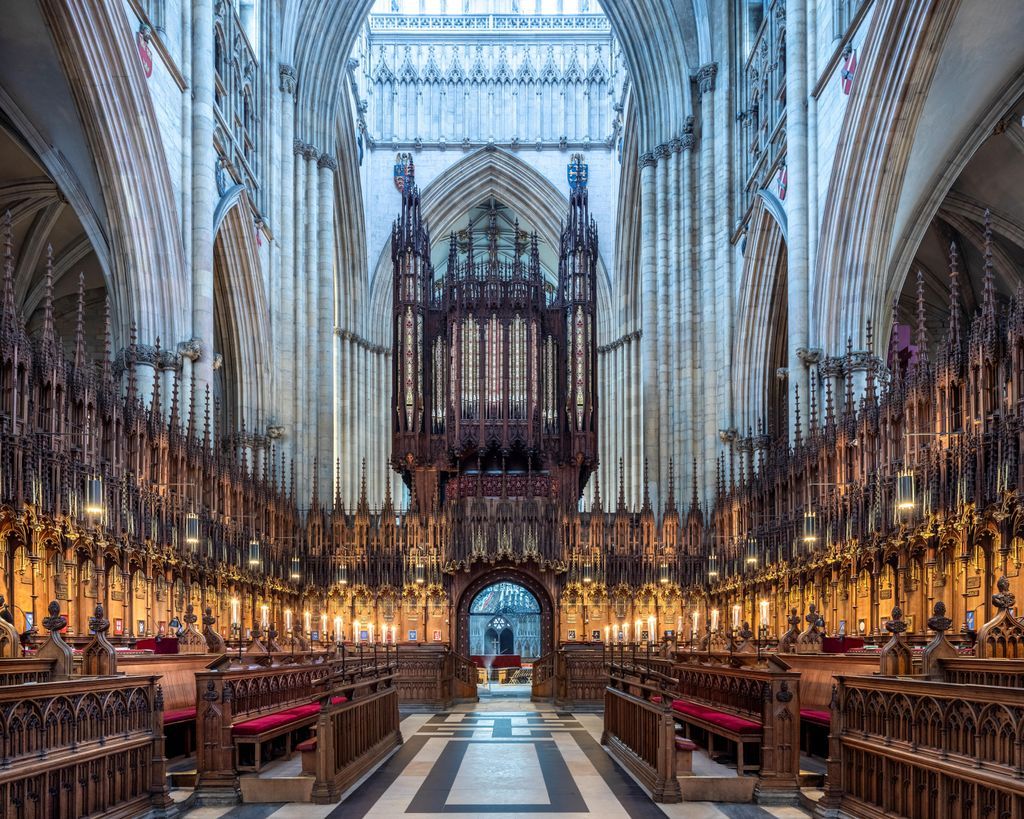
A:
x,y
921,332
10,314
80,324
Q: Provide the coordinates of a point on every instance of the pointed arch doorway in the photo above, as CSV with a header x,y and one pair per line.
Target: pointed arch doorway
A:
x,y
505,611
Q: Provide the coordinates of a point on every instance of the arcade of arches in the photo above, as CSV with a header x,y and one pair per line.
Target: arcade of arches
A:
x,y
649,373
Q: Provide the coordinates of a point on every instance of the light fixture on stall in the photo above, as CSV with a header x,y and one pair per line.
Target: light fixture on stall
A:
x,y
905,495
810,527
341,574
192,530
713,566
94,495
663,572
420,573
751,551
254,552
296,573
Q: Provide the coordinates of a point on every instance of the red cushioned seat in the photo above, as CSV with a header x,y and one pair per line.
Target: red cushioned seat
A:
x,y
656,698
817,717
684,744
308,745
730,722
179,715
272,721
338,700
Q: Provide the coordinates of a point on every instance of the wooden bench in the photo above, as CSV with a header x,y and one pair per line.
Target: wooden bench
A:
x,y
250,736
746,702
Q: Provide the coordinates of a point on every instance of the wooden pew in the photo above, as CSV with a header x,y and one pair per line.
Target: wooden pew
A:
x,y
941,740
79,744
434,676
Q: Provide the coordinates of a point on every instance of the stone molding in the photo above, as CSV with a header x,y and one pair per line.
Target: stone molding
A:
x,y
620,341
355,338
327,161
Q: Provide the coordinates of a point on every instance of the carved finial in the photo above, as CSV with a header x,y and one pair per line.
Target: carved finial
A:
x,y
106,373
896,625
954,300
646,505
190,614
1004,599
98,623
796,404
55,621
670,503
939,621
621,504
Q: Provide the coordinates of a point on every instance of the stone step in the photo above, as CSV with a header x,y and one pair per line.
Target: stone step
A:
x,y
256,789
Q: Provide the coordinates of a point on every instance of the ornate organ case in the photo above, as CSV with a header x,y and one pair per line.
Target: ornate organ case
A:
x,y
494,363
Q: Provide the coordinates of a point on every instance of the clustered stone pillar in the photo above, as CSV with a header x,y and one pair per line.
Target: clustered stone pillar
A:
x,y
325,318
286,375
796,208
204,194
707,383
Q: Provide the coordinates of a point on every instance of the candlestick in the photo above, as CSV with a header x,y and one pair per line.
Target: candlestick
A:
x,y
607,629
338,634
652,624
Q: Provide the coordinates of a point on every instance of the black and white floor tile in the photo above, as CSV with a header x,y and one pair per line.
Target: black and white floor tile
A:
x,y
499,758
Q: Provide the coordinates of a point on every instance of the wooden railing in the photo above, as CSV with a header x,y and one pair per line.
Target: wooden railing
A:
x,y
917,748
28,670
235,690
639,730
543,681
434,675
970,671
464,678
355,735
84,746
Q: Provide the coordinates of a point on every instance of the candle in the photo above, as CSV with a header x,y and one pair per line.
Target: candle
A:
x,y
234,611
652,624
306,621
625,631
264,615
323,626
606,631
287,619
736,616
696,617
638,626
764,612
679,626
338,636
370,629
714,619
394,634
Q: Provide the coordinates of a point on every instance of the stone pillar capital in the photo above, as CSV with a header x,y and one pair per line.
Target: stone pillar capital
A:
x,y
705,77
288,78
326,161
191,349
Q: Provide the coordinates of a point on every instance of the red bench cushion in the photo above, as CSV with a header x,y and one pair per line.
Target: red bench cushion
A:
x,y
271,721
684,744
817,717
720,718
179,715
307,745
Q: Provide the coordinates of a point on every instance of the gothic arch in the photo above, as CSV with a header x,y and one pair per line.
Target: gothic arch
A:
x,y
487,575
146,267
241,318
895,159
446,199
762,317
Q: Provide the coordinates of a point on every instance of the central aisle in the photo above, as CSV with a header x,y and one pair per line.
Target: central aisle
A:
x,y
503,756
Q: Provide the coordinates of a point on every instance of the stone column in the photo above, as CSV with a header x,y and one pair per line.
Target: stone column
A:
x,y
310,320
649,294
665,266
327,165
204,190
284,402
708,383
796,204
299,327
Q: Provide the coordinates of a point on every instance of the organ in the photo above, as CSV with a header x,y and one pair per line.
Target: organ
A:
x,y
494,358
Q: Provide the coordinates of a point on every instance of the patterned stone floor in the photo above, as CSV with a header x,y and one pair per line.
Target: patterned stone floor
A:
x,y
498,758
